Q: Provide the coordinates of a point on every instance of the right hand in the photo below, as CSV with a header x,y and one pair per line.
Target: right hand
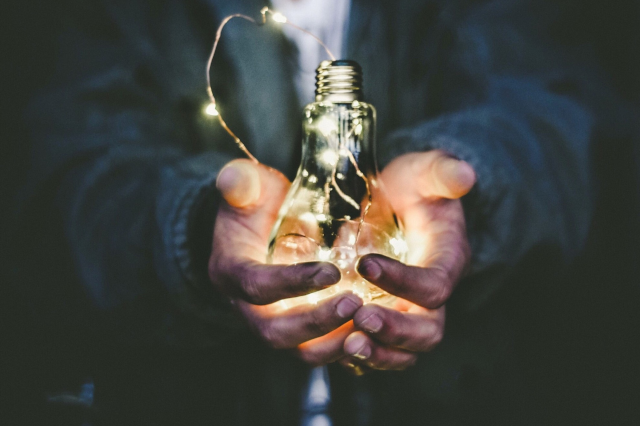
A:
x,y
253,194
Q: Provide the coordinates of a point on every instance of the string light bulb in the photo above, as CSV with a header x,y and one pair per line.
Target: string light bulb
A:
x,y
279,17
211,110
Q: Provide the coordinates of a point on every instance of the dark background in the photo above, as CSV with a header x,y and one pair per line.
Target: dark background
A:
x,y
581,346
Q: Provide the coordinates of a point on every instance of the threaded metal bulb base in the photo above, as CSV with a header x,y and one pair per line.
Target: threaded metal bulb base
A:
x,y
339,81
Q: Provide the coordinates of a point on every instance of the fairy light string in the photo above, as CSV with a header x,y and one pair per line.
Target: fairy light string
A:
x,y
276,17
212,110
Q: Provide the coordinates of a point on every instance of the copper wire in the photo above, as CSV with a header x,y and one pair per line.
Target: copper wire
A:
x,y
212,98
369,198
243,147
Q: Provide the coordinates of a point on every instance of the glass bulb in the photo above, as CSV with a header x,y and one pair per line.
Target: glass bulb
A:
x,y
336,209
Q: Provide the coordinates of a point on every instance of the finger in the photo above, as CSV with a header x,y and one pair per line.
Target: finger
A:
x,y
288,329
366,351
447,177
432,174
239,183
243,223
427,287
241,239
325,349
262,284
417,332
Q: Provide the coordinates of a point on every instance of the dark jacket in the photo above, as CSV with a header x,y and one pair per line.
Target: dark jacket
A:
x,y
124,164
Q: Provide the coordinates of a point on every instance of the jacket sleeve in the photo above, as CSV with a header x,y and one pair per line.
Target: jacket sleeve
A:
x,y
516,108
133,183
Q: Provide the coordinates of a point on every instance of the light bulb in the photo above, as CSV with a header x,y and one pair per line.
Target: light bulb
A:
x,y
211,109
279,17
334,210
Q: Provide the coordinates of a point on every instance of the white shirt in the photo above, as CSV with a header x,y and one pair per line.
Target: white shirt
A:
x,y
326,19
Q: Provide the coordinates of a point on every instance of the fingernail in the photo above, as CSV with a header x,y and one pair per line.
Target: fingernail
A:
x,y
347,307
363,353
358,348
369,269
372,324
326,276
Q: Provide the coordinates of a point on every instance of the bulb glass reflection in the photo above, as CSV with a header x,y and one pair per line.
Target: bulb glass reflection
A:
x,y
336,187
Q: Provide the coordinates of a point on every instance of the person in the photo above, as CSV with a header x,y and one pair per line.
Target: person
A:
x,y
485,128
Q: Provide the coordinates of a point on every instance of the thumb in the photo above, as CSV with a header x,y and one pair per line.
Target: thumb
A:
x,y
239,183
412,177
253,194
252,187
447,177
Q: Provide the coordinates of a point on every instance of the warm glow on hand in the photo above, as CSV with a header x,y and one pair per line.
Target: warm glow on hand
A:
x,y
253,194
424,190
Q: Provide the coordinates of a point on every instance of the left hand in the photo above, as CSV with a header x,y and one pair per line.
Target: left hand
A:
x,y
389,338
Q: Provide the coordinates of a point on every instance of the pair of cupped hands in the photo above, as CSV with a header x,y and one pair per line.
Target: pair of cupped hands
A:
x,y
424,190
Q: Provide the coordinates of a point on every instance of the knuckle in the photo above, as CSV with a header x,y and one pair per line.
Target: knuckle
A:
x,y
441,290
269,335
434,338
437,337
251,289
264,332
395,335
317,324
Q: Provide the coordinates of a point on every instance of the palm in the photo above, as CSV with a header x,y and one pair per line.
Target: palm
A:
x,y
434,225
253,195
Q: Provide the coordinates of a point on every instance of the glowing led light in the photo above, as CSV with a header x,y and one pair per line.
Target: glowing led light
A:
x,y
329,157
279,17
399,246
343,264
308,217
324,254
326,126
313,179
305,173
290,245
211,110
